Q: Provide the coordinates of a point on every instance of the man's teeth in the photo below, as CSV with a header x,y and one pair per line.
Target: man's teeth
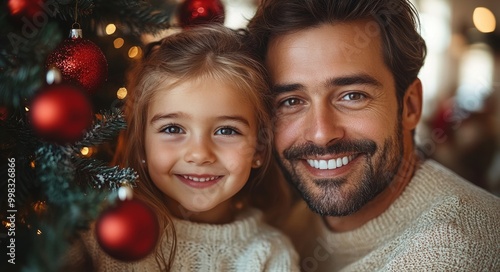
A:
x,y
201,179
330,164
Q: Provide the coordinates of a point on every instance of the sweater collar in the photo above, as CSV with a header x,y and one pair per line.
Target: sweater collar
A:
x,y
245,226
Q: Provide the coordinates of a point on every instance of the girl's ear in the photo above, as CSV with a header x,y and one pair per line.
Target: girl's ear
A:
x,y
412,105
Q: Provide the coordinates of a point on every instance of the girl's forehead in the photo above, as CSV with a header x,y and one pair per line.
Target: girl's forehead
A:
x,y
205,82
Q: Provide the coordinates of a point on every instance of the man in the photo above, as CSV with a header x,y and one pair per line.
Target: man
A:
x,y
347,101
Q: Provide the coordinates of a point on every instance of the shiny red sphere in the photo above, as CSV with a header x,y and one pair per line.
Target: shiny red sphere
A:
x,y
26,8
61,113
80,61
198,12
128,231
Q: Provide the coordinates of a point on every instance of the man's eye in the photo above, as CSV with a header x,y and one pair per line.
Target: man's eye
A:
x,y
226,131
353,96
173,130
290,102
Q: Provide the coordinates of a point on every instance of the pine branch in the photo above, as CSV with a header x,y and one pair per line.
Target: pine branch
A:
x,y
52,231
55,172
18,142
106,126
138,16
22,59
17,136
100,176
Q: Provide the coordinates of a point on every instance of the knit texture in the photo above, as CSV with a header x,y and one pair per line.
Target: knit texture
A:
x,y
247,244
439,223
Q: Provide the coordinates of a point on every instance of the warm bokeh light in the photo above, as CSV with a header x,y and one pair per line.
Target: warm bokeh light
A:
x,y
121,93
475,79
85,151
6,224
40,207
134,52
26,109
110,29
484,20
118,43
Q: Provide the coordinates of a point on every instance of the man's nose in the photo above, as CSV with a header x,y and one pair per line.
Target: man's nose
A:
x,y
323,125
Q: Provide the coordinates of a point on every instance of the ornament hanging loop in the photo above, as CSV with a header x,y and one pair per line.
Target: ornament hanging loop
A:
x,y
76,14
76,31
75,25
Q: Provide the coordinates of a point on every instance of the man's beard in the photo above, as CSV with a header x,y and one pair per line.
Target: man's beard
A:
x,y
336,196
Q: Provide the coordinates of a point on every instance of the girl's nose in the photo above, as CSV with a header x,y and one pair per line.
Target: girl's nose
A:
x,y
199,151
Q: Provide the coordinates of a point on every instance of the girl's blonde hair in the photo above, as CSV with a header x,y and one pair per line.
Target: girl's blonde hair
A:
x,y
212,51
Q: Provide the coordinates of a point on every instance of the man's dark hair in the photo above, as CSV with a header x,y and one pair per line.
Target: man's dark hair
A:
x,y
404,50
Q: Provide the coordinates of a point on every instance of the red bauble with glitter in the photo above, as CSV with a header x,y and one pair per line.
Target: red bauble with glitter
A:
x,y
198,12
80,61
61,113
128,231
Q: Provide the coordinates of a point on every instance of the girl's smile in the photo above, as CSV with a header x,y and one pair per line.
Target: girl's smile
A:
x,y
199,181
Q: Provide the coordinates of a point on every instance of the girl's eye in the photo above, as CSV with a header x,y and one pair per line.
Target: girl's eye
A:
x,y
173,129
226,131
353,96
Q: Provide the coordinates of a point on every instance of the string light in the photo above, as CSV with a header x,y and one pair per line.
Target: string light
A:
x,y
118,43
87,151
39,207
110,29
121,93
484,20
134,52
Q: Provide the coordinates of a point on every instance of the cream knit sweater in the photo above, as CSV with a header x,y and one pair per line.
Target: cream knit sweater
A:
x,y
439,223
247,244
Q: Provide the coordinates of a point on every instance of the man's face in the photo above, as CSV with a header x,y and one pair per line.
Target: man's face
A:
x,y
338,134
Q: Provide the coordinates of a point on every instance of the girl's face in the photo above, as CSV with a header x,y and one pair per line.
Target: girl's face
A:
x,y
200,143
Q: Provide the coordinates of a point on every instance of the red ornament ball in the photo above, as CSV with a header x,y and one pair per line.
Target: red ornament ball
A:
x,y
61,113
198,12
25,8
80,61
128,231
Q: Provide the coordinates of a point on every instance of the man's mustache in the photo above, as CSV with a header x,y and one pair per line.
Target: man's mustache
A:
x,y
341,147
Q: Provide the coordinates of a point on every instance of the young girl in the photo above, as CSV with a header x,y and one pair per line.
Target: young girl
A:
x,y
199,136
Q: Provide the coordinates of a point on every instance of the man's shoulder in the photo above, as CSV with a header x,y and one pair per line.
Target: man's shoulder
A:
x,y
441,196
435,183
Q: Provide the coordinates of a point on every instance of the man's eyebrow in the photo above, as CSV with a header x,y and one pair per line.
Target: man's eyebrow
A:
x,y
284,88
358,79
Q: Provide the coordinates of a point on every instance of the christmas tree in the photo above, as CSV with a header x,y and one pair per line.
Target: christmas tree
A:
x,y
58,120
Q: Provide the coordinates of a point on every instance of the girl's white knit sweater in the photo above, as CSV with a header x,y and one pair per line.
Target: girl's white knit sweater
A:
x,y
247,244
